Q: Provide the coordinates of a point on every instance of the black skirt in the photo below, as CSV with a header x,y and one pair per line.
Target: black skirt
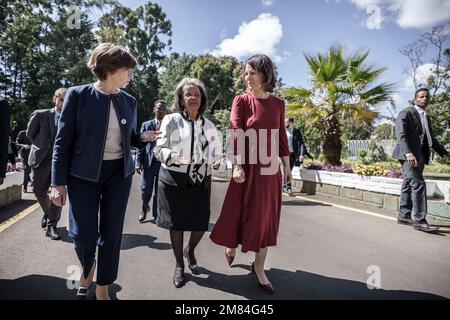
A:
x,y
185,207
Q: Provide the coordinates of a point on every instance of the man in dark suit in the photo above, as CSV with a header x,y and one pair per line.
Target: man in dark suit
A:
x,y
5,113
414,140
147,163
41,130
25,144
296,147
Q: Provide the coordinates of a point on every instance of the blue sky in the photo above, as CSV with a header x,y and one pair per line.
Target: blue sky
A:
x,y
286,29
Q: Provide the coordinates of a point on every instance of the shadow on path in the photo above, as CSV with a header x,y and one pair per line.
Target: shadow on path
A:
x,y
11,210
129,240
300,285
41,287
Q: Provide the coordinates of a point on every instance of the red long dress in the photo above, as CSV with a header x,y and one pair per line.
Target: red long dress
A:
x,y
251,210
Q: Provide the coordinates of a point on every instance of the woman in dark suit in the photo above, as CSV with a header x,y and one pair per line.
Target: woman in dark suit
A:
x,y
188,148
92,157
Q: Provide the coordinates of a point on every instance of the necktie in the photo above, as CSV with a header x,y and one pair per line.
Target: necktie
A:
x,y
425,127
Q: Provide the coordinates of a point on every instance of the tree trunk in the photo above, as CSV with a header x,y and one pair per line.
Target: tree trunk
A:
x,y
332,143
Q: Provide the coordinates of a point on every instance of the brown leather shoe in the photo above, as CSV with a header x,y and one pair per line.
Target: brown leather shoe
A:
x,y
406,220
424,226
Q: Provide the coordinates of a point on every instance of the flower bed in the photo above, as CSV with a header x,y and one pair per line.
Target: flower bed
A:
x,y
360,169
376,191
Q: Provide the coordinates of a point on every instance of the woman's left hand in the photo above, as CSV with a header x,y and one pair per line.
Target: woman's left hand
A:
x,y
58,195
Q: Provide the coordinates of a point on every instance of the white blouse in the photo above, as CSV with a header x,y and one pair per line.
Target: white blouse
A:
x,y
197,140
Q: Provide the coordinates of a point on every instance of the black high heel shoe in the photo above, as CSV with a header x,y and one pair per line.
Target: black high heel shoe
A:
x,y
178,277
266,287
192,266
83,292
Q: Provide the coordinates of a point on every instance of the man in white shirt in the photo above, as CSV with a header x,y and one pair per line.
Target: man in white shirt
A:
x,y
414,140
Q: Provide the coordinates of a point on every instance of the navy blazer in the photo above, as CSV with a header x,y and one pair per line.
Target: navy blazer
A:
x,y
82,129
145,156
411,137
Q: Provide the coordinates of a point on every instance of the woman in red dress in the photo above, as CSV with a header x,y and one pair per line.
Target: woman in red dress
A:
x,y
251,210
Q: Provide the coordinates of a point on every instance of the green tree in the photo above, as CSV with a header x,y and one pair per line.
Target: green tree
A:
x,y
217,73
146,31
341,85
39,52
355,130
384,131
439,112
173,69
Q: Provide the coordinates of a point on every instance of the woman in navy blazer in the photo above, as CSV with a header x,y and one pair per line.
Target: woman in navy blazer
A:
x,y
92,157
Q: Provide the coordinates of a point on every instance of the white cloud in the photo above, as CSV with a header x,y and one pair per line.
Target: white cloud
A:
x,y
421,14
363,4
407,13
267,3
422,74
261,35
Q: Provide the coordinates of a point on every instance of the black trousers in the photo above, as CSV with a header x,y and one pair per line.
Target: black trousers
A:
x,y
149,182
413,196
26,171
96,216
41,184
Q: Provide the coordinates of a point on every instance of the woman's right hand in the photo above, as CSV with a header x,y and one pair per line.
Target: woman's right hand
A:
x,y
150,135
58,194
238,174
177,159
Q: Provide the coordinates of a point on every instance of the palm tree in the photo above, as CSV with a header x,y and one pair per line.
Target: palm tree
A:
x,y
341,87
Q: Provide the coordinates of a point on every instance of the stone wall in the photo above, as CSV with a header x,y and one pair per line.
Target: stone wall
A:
x,y
370,198
11,189
377,192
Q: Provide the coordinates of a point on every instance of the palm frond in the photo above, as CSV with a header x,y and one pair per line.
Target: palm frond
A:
x,y
358,112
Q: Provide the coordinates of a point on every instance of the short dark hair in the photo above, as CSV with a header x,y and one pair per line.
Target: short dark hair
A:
x,y
421,89
159,102
109,57
291,120
178,95
262,63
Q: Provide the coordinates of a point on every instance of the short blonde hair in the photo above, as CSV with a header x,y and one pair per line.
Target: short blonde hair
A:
x,y
109,57
60,91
